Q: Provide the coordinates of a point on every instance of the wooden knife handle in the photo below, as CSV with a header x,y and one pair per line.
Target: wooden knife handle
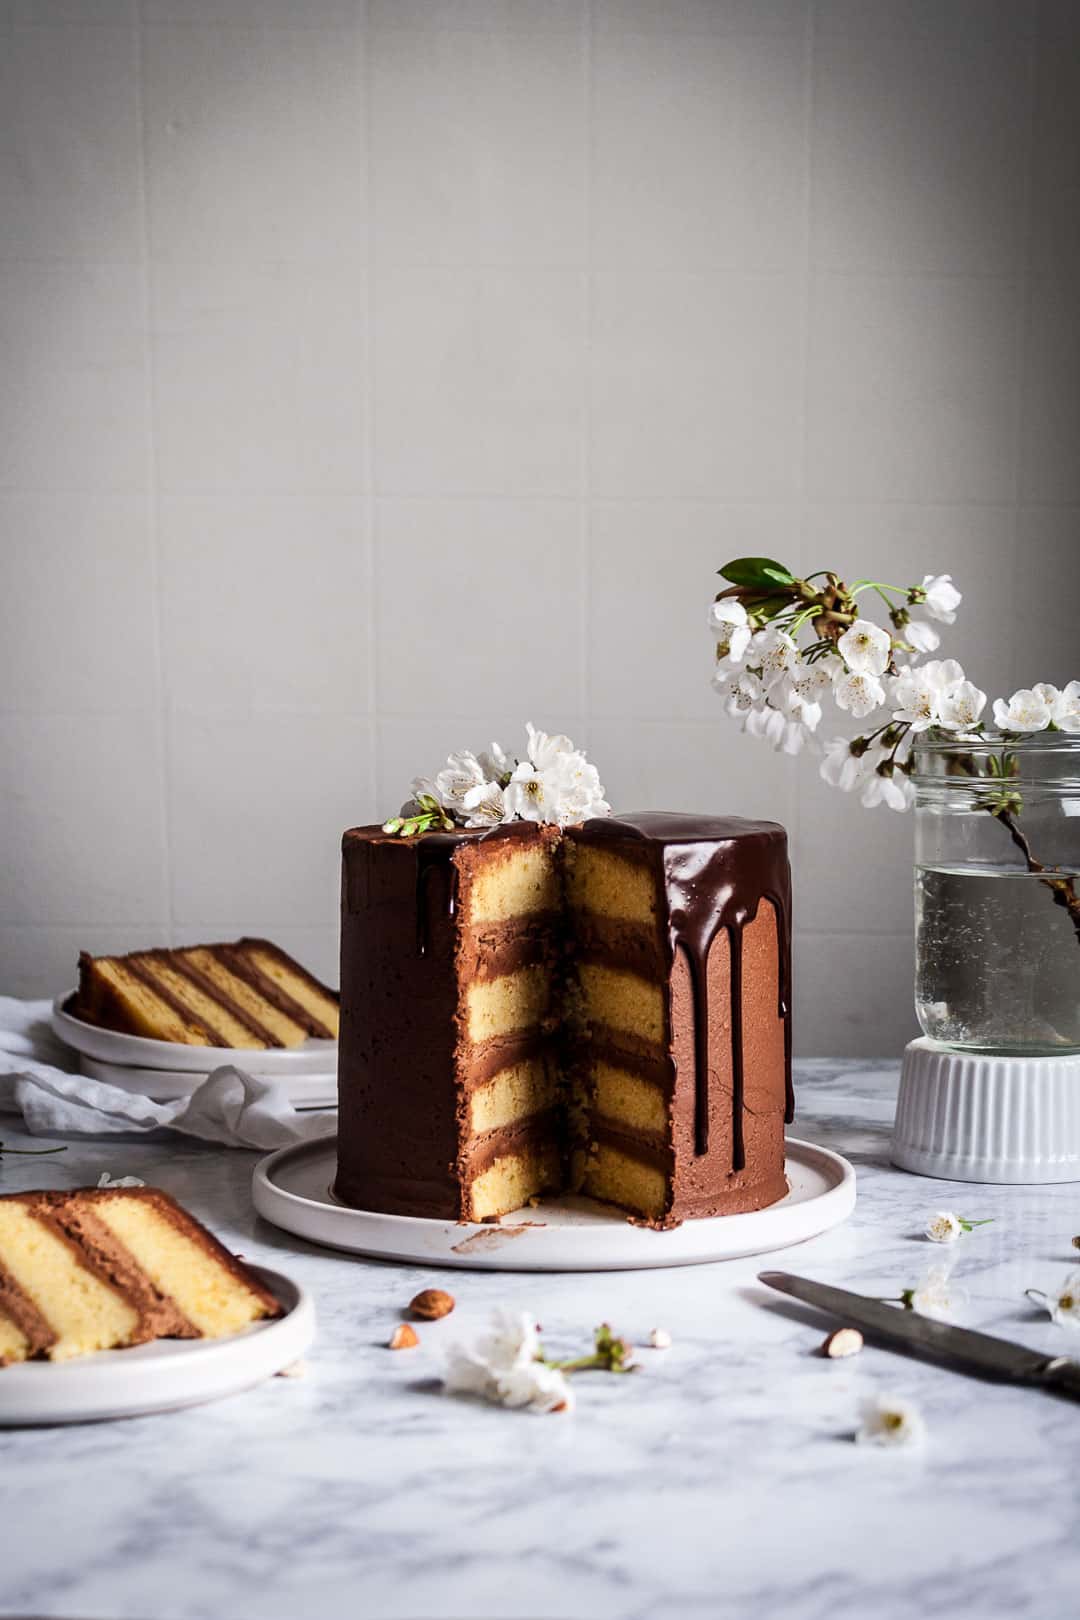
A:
x,y
1062,1374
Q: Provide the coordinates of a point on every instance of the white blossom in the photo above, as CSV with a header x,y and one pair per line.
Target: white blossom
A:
x,y
800,694
1064,1303
495,762
461,772
485,805
776,654
960,705
890,1420
944,1227
935,1295
840,767
543,1388
544,751
504,1366
1026,710
858,694
741,693
1065,711
918,690
922,636
865,648
105,1180
941,597
891,788
660,1339
730,625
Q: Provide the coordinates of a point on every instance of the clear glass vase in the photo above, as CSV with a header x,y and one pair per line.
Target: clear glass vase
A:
x,y
997,893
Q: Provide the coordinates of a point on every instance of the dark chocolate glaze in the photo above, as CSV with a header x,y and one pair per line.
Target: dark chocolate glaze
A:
x,y
713,873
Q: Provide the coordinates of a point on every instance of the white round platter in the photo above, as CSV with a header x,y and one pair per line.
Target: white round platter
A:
x,y
306,1091
162,1376
291,1188
139,1052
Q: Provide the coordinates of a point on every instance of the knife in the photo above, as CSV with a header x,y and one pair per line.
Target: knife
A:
x,y
955,1347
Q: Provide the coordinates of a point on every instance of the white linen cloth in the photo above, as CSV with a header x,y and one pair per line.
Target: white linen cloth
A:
x,y
39,1080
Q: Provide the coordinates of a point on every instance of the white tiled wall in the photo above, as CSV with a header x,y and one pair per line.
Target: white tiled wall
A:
x,y
373,378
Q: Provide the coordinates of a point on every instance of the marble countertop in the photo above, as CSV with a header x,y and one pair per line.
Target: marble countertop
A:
x,y
721,1480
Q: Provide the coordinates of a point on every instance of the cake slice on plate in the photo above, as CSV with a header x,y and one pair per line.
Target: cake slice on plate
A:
x,y
244,995
99,1269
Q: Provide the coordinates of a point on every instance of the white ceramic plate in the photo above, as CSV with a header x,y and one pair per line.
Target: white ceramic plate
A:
x,y
306,1091
161,1376
139,1052
291,1188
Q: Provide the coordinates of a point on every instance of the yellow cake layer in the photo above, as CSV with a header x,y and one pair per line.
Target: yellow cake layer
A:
x,y
200,1005
247,998
622,1001
511,1003
211,1297
144,1012
296,985
519,885
617,1178
512,1179
84,1312
514,1093
13,1342
601,881
620,1095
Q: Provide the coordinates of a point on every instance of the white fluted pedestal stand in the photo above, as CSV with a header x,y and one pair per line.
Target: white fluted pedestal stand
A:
x,y
973,1116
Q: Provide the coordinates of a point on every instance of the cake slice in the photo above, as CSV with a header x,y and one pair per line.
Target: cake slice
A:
x,y
245,995
103,1268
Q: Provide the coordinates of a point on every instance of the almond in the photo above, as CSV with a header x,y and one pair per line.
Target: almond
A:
x,y
846,1341
431,1303
403,1337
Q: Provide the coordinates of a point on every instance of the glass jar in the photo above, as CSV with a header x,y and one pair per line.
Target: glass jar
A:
x,y
997,893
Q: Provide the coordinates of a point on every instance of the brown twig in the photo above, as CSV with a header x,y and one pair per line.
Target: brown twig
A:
x,y
1062,887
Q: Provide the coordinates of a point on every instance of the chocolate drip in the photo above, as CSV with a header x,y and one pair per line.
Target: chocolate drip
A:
x,y
434,853
714,873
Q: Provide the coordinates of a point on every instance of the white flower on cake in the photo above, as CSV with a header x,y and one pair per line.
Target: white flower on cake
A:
x,y
940,597
553,783
890,1420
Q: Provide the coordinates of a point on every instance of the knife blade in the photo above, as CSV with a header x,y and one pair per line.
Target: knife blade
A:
x,y
960,1348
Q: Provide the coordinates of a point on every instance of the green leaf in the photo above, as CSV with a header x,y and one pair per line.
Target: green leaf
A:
x,y
757,573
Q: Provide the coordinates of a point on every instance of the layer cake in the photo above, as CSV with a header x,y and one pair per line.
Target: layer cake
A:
x,y
248,994
602,1008
99,1269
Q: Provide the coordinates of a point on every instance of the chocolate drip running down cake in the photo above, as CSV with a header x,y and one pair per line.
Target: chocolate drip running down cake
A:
x,y
602,1008
245,995
101,1269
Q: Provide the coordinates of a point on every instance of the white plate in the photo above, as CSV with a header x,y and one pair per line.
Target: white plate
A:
x,y
291,1188
161,1376
139,1052
166,1085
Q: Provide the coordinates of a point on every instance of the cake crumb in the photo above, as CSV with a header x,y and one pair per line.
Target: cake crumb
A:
x,y
403,1338
660,1339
